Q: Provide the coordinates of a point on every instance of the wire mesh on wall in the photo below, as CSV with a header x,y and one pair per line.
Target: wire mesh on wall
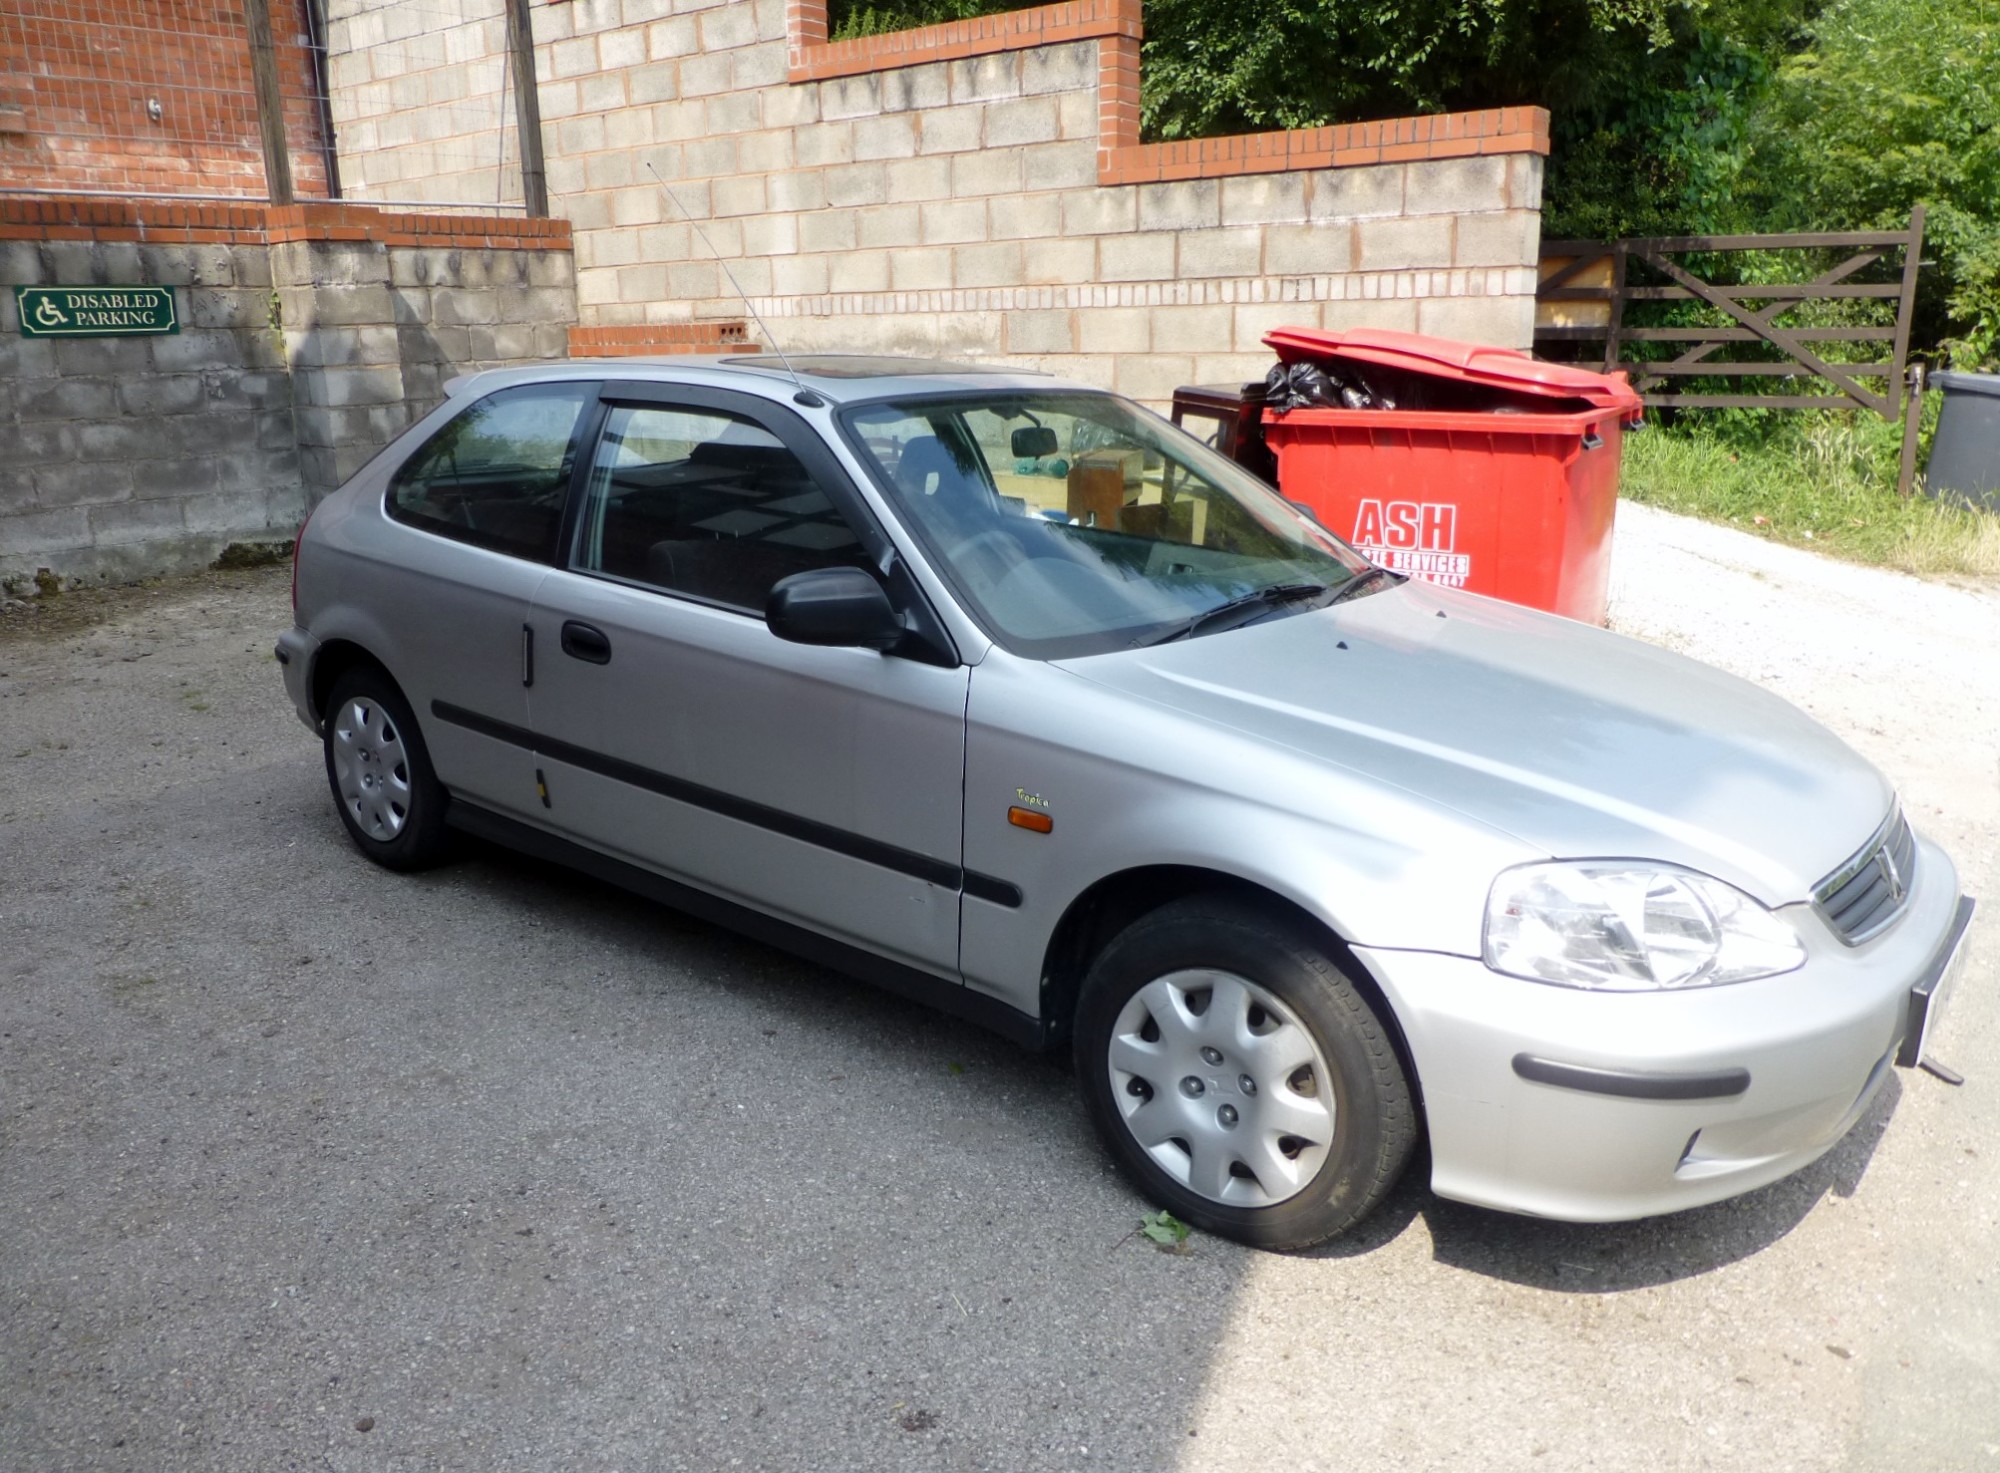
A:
x,y
423,101
386,101
98,96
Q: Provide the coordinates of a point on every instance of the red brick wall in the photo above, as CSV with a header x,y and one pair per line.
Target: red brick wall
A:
x,y
170,222
664,339
76,77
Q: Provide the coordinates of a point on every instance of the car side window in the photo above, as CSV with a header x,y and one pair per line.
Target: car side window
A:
x,y
705,504
496,475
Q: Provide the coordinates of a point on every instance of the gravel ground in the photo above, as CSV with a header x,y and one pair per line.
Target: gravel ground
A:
x,y
303,1166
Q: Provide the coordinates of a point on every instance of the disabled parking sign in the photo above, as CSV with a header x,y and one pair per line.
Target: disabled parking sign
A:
x,y
96,311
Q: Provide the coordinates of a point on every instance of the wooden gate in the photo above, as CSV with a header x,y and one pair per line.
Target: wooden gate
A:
x,y
1588,287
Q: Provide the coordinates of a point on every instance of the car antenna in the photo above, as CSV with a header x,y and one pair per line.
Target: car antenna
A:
x,y
805,395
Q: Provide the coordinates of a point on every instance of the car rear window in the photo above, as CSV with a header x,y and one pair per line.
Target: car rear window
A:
x,y
495,476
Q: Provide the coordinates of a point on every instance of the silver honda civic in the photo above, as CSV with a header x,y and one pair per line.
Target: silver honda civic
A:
x,y
1003,693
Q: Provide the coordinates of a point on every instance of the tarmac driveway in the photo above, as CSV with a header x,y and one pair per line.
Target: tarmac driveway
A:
x,y
305,1166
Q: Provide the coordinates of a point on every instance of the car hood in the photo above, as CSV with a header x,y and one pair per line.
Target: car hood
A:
x,y
1578,742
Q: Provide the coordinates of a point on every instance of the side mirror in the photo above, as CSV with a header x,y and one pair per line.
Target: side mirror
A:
x,y
833,606
1032,442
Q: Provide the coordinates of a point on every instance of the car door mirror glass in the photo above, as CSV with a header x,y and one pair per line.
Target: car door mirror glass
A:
x,y
833,606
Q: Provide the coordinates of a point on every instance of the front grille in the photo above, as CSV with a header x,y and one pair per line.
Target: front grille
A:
x,y
1868,892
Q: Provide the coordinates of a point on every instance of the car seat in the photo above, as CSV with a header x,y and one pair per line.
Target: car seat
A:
x,y
941,490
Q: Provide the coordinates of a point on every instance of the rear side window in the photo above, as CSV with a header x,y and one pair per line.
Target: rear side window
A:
x,y
495,476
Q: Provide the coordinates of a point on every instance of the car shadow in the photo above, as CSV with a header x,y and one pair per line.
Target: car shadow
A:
x,y
1571,1258
871,1018
1603,1258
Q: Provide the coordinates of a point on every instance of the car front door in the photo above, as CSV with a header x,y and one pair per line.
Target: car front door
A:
x,y
674,730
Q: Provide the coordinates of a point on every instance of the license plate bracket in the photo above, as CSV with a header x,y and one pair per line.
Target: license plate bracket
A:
x,y
1930,992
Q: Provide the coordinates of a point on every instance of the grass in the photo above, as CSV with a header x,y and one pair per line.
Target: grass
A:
x,y
847,19
1822,481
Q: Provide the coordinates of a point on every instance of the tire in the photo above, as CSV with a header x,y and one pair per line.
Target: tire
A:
x,y
380,773
1280,1120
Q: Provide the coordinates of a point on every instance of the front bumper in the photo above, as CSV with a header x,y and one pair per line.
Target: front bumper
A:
x,y
1597,1107
295,654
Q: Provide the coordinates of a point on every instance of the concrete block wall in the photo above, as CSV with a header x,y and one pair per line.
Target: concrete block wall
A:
x,y
310,337
131,455
374,332
978,189
416,93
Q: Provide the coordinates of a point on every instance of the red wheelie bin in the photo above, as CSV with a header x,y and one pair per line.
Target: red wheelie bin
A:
x,y
1494,471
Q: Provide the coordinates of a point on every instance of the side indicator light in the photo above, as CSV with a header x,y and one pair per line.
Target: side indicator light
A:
x,y
1031,819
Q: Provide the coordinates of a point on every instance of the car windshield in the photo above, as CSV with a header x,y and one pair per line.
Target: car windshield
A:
x,y
1075,523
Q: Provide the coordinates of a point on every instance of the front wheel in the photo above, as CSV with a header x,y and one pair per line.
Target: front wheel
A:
x,y
1240,1077
389,799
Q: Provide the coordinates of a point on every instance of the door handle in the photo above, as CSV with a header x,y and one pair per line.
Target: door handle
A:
x,y
585,642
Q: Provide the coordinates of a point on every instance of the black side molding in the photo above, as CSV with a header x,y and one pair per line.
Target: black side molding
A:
x,y
809,831
1632,1084
992,891
941,993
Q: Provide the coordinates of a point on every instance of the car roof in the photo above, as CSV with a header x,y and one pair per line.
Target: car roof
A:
x,y
839,378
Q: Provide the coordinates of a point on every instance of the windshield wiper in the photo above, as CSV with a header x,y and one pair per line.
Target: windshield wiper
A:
x,y
1366,581
1238,610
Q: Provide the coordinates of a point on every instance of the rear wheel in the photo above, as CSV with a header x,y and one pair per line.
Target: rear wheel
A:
x,y
380,773
1240,1077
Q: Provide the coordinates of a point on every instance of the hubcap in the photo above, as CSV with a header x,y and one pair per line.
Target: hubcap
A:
x,y
1223,1087
371,769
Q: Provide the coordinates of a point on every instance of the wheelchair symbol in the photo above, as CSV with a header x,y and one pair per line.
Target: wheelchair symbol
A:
x,y
48,314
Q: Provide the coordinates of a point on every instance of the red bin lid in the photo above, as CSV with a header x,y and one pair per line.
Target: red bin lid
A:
x,y
1447,358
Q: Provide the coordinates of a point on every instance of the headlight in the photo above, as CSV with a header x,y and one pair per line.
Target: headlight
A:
x,y
1621,926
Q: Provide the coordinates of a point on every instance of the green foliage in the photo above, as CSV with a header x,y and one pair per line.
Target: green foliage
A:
x,y
1650,100
1217,66
1656,146
1164,1230
846,22
1229,68
1893,103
